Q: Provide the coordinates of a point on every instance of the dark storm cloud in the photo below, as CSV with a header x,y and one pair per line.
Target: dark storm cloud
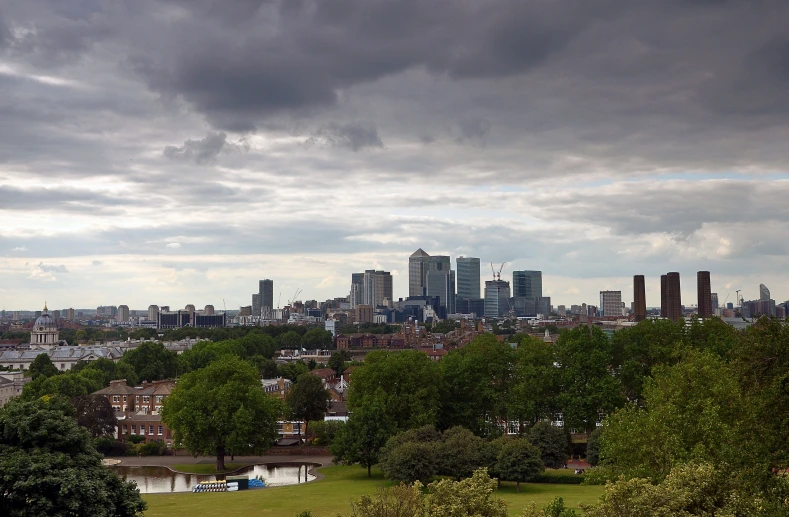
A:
x,y
353,136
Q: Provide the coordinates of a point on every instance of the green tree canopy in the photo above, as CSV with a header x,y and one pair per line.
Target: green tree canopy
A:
x,y
290,339
535,383
151,362
360,440
48,466
518,461
477,378
406,383
222,409
317,339
308,399
42,367
588,388
461,453
337,361
552,442
411,461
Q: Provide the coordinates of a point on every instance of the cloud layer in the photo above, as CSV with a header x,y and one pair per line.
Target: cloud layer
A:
x,y
173,151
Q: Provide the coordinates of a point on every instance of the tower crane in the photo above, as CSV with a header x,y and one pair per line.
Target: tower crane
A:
x,y
290,302
739,300
496,275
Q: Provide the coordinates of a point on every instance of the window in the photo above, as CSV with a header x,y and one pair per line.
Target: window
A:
x,y
62,366
146,398
124,398
159,399
145,410
160,430
116,398
150,430
125,430
134,429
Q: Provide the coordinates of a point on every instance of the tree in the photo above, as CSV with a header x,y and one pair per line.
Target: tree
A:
x,y
411,461
337,361
151,362
405,383
292,371
95,414
532,394
290,339
519,461
396,501
48,466
555,508
461,453
317,339
222,409
42,367
692,412
552,442
477,378
593,448
308,399
360,440
470,496
691,489
585,356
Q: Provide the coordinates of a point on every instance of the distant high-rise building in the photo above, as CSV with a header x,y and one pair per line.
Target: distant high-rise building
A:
x,y
70,314
365,313
764,293
441,285
611,303
417,273
357,289
468,285
497,297
190,308
376,286
664,296
266,292
123,313
715,305
704,292
639,298
153,310
673,296
209,310
561,310
527,293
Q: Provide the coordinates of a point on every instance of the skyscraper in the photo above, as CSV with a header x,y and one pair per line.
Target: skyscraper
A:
x,y
376,285
715,303
497,297
357,288
673,296
639,298
440,281
417,272
123,313
764,293
664,296
611,303
527,299
266,292
704,293
153,311
468,286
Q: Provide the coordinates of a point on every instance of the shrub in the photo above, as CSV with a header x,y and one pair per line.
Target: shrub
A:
x,y
154,448
136,438
411,461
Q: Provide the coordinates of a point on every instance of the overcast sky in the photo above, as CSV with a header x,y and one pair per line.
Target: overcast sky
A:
x,y
176,151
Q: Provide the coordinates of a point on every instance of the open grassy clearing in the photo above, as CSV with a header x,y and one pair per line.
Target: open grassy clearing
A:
x,y
332,495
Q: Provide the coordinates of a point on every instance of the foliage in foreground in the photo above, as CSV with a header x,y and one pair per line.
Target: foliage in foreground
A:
x,y
445,498
48,466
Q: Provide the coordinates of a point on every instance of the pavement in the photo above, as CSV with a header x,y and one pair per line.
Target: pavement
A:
x,y
147,461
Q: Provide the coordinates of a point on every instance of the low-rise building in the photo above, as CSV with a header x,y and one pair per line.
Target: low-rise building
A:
x,y
11,384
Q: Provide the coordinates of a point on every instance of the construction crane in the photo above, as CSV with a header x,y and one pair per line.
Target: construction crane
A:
x,y
496,275
290,302
726,300
224,304
739,300
279,300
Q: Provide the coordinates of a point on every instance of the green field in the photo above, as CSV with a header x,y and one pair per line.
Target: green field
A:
x,y
332,495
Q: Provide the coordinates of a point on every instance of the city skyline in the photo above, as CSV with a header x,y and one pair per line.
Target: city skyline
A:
x,y
169,153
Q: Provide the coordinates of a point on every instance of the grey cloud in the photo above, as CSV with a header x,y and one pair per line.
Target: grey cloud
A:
x,y
352,136
51,269
68,200
96,263
474,129
204,150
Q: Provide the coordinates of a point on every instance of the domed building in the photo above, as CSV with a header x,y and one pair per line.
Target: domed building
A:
x,y
45,330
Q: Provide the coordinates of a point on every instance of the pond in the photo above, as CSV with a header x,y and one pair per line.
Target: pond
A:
x,y
157,480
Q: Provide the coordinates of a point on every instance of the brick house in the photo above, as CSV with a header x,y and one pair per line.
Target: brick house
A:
x,y
137,409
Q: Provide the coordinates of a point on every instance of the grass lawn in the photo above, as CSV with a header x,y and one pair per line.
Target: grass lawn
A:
x,y
333,495
200,468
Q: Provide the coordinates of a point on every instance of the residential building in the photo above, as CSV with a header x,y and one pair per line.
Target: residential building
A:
x,y
153,310
704,293
263,300
123,313
278,387
364,313
137,409
671,298
611,303
639,298
715,303
497,296
764,293
417,273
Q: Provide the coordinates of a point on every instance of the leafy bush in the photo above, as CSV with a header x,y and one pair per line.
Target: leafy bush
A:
x,y
109,446
135,439
154,448
411,461
325,431
559,480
